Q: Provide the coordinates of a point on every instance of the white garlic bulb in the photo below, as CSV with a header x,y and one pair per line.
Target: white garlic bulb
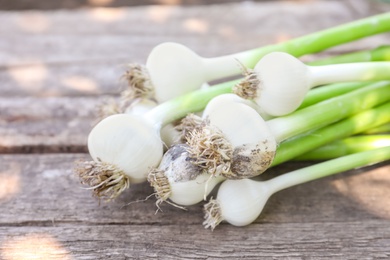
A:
x,y
127,141
283,80
174,69
244,145
180,181
239,202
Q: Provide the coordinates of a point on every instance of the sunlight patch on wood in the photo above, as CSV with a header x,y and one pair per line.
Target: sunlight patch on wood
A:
x,y
371,190
33,246
100,2
80,83
169,2
107,14
10,182
282,37
227,31
160,14
33,22
196,25
30,78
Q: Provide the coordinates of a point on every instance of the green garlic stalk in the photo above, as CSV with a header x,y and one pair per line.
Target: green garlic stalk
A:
x,y
173,69
350,145
178,180
240,202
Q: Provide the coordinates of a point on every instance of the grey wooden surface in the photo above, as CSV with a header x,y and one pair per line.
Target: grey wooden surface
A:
x,y
57,66
70,4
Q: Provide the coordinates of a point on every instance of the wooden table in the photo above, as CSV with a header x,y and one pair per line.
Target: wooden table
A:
x,y
57,66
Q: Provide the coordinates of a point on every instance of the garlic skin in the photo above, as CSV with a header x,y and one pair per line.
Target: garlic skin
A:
x,y
183,183
284,82
192,192
253,142
230,97
187,181
128,142
239,122
241,201
174,70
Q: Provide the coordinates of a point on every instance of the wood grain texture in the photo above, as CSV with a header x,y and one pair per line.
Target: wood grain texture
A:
x,y
55,66
53,193
346,216
52,124
82,52
55,69
64,4
258,241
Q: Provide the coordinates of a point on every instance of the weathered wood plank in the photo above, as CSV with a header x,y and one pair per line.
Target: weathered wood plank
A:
x,y
52,67
347,240
91,78
43,189
81,52
64,59
52,124
44,5
45,210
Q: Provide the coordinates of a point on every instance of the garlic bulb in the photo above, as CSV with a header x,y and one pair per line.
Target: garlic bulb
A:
x,y
234,142
217,149
279,81
140,106
123,148
180,181
230,97
240,202
128,142
175,69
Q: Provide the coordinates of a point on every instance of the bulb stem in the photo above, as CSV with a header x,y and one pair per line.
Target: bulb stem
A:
x,y
220,67
361,71
327,168
317,95
179,107
350,145
358,123
225,66
174,109
381,129
329,111
381,53
321,40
